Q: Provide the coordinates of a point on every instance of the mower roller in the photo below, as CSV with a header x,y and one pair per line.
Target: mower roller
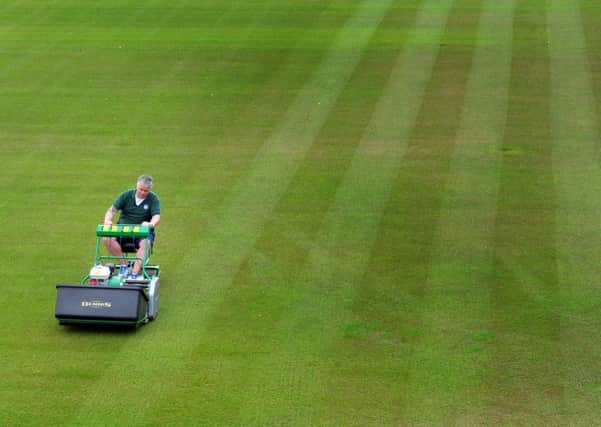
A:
x,y
108,295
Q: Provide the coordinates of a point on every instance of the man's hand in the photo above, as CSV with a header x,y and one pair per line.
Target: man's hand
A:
x,y
147,224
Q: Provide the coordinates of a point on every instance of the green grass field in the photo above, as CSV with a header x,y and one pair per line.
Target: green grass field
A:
x,y
375,212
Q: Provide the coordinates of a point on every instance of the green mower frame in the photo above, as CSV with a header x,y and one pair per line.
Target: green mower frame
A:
x,y
108,294
124,230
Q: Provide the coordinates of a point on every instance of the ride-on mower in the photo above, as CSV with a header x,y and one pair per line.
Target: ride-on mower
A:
x,y
108,295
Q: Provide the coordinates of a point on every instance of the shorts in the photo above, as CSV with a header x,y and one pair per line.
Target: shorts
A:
x,y
133,242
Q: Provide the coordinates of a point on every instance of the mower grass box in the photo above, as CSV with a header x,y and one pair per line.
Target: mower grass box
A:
x,y
107,295
100,304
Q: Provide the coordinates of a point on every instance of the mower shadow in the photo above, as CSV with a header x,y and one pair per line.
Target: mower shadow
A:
x,y
97,329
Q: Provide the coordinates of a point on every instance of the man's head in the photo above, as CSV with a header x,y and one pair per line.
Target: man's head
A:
x,y
143,186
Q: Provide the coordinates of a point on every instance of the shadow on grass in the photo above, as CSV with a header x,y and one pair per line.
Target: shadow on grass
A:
x,y
84,329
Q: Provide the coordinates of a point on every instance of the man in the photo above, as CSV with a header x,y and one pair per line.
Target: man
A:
x,y
137,206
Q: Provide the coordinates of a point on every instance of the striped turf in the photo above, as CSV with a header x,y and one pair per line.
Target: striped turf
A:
x,y
336,262
527,345
377,212
462,260
577,176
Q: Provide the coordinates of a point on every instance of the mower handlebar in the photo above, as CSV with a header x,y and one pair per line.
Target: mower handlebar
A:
x,y
122,230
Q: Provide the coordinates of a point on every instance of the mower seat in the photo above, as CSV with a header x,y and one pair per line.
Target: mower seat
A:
x,y
128,246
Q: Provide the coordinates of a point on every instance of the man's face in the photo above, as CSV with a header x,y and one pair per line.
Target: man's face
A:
x,y
142,191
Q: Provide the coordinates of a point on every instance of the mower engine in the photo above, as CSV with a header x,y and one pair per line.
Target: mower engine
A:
x,y
99,275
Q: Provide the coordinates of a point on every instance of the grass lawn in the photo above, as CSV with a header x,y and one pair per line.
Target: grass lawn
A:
x,y
375,212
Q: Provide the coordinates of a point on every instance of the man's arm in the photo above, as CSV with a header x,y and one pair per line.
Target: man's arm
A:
x,y
108,216
154,221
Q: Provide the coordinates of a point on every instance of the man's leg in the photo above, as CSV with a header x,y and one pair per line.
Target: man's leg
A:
x,y
113,247
140,254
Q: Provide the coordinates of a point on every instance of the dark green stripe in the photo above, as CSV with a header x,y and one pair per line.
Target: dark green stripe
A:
x,y
525,365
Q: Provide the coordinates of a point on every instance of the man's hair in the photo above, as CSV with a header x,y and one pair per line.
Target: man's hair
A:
x,y
145,180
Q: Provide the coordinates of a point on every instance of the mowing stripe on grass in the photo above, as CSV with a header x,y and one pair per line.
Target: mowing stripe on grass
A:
x,y
578,190
233,230
523,380
266,287
462,260
393,302
336,264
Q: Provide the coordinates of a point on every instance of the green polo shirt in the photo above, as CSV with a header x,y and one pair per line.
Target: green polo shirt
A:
x,y
132,214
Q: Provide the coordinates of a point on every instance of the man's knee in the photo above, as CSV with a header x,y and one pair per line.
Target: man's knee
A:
x,y
112,245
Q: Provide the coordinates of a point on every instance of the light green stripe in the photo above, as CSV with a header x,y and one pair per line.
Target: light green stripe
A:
x,y
576,151
578,185
337,262
233,231
462,259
